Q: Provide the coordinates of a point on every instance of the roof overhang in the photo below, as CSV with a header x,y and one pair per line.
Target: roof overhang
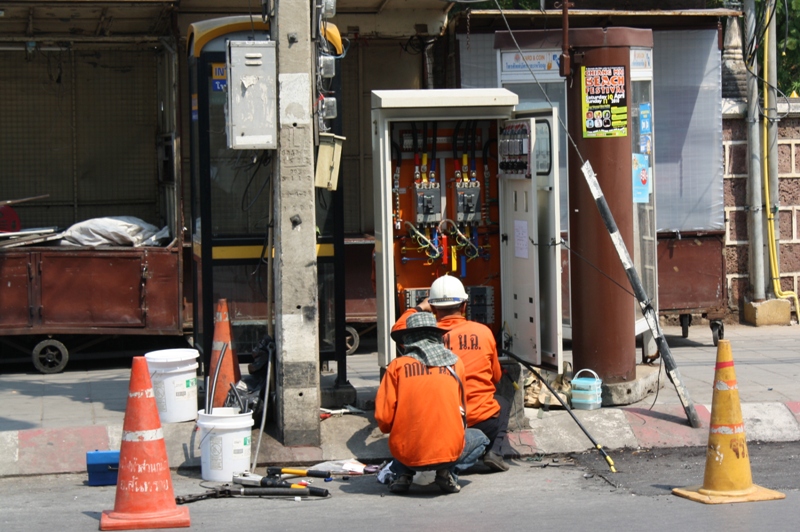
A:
x,y
108,21
491,20
141,20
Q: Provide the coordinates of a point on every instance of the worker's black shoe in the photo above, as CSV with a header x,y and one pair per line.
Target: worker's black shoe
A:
x,y
494,461
401,484
446,482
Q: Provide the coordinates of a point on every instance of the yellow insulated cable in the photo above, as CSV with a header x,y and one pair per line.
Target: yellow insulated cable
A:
x,y
773,251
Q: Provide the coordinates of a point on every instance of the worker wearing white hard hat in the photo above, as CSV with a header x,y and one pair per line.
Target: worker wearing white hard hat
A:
x,y
475,345
447,292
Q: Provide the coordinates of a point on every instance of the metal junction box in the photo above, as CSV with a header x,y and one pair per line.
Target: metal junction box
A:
x,y
252,119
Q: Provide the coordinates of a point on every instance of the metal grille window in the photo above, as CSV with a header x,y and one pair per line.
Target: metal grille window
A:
x,y
478,61
80,126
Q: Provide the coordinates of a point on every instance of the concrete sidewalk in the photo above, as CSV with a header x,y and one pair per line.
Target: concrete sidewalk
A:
x,y
48,422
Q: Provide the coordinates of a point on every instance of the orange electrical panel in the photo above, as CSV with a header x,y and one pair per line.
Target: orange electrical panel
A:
x,y
445,212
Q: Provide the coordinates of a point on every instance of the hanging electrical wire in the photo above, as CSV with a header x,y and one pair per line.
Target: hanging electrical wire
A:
x,y
472,170
751,48
264,161
417,45
433,252
538,83
463,242
434,142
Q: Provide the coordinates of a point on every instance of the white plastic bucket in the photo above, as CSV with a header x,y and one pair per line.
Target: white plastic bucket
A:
x,y
224,443
587,392
174,376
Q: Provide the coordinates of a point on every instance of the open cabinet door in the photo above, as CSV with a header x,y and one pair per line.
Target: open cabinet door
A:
x,y
530,237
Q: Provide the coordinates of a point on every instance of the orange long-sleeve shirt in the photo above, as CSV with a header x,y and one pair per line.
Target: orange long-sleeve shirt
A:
x,y
474,344
420,408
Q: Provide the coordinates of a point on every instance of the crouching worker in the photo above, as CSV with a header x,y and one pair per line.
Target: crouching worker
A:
x,y
420,403
474,344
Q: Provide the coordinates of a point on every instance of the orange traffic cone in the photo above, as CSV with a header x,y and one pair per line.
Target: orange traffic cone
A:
x,y
229,371
727,477
145,498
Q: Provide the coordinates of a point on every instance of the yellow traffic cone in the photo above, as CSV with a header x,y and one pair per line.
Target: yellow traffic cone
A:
x,y
727,477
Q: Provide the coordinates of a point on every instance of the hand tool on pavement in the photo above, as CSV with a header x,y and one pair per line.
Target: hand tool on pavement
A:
x,y
348,409
276,481
228,490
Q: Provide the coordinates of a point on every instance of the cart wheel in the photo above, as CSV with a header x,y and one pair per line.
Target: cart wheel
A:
x,y
686,321
717,331
351,339
50,356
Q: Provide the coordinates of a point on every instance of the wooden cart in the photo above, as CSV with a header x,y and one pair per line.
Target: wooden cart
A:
x,y
360,305
56,297
691,280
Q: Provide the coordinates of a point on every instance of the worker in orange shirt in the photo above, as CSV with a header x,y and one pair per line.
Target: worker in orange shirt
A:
x,y
421,404
474,344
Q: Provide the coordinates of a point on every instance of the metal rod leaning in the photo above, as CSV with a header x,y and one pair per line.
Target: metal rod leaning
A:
x,y
264,409
648,311
216,376
566,407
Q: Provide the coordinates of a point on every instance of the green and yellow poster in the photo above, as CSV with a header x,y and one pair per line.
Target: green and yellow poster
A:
x,y
605,106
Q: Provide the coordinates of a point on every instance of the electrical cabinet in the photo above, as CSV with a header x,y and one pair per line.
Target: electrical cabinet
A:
x,y
252,122
464,187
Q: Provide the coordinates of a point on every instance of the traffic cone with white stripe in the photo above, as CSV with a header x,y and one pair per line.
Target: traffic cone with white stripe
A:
x,y
145,496
229,371
727,476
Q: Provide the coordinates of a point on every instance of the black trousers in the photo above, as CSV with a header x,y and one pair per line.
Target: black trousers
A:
x,y
496,428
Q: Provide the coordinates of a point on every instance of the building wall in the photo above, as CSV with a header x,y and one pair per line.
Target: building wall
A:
x,y
788,216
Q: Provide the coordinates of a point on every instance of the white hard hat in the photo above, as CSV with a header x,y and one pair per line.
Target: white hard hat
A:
x,y
447,291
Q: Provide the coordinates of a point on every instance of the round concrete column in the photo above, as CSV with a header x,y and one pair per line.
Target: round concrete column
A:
x,y
603,314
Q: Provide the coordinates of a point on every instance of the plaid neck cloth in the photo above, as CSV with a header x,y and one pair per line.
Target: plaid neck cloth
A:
x,y
427,349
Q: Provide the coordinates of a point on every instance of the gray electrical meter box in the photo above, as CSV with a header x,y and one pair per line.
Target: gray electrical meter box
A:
x,y
251,114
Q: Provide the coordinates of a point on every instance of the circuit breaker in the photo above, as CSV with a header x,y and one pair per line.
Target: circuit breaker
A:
x,y
415,296
428,204
468,202
513,146
480,307
481,304
251,112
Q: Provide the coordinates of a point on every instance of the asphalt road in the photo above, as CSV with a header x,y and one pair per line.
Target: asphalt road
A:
x,y
556,493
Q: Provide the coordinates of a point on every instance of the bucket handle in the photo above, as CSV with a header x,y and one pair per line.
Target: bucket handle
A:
x,y
596,376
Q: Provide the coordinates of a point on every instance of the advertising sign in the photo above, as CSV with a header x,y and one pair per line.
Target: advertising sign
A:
x,y
642,183
219,77
538,61
604,102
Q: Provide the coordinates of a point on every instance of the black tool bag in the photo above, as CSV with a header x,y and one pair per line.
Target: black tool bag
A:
x,y
248,394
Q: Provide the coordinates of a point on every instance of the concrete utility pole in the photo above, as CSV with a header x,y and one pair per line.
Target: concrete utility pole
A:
x,y
296,317
755,224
